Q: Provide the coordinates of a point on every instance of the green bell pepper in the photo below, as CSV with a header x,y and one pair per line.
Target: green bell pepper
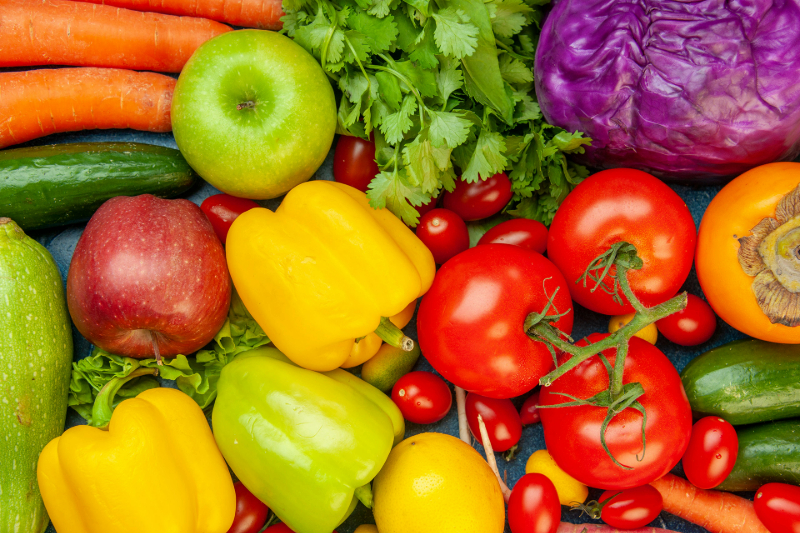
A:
x,y
305,443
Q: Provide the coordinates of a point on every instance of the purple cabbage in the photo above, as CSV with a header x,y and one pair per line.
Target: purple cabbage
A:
x,y
688,90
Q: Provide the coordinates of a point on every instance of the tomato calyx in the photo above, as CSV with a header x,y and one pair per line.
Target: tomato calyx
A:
x,y
620,255
618,397
511,453
593,508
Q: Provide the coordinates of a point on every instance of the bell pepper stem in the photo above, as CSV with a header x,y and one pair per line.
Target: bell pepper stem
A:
x,y
103,404
364,495
394,336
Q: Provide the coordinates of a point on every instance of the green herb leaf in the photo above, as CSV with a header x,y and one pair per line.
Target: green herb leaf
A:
x,y
447,128
393,191
380,32
395,126
510,17
448,78
455,34
488,158
514,70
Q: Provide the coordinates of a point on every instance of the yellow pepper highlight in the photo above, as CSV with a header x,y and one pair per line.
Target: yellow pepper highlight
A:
x,y
323,269
156,470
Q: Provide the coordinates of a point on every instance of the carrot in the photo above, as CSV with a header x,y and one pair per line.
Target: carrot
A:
x,y
718,512
60,32
36,103
264,14
566,527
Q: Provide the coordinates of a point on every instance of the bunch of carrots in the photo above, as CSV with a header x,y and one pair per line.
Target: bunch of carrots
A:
x,y
121,37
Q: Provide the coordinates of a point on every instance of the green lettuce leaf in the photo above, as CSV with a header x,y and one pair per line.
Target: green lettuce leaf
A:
x,y
195,375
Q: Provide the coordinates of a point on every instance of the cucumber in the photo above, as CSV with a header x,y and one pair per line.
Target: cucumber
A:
x,y
745,382
35,364
767,452
45,186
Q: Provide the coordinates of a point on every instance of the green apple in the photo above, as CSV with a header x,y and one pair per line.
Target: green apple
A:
x,y
253,113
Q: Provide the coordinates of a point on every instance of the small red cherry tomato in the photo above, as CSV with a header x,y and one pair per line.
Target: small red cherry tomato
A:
x,y
251,513
777,505
533,506
711,454
501,418
524,232
222,210
484,198
427,208
694,325
423,397
631,508
280,528
529,413
354,162
444,233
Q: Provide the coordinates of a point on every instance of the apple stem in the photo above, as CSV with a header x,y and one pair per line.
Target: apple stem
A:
x,y
246,105
487,447
156,351
463,429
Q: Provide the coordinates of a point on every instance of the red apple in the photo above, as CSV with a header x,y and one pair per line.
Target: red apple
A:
x,y
148,278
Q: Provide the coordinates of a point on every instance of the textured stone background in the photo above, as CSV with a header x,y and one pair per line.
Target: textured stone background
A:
x,y
61,243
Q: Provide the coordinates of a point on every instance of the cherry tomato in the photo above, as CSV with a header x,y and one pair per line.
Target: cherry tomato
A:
x,y
777,505
524,232
427,208
222,210
529,413
623,205
423,397
354,162
501,418
631,508
444,233
711,454
692,326
251,513
572,434
471,321
533,506
280,528
484,198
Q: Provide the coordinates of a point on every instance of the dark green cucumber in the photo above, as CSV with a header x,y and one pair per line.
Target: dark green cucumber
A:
x,y
745,382
767,452
59,184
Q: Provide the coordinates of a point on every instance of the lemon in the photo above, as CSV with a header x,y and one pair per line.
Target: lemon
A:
x,y
570,490
435,482
649,333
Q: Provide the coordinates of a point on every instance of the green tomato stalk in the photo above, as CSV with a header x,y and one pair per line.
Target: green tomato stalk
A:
x,y
613,265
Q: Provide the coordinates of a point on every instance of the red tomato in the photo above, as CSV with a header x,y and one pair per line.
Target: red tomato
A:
x,y
501,418
222,210
484,198
711,454
623,205
529,413
280,528
251,513
572,434
777,505
631,508
524,232
471,321
444,233
692,326
533,506
354,162
423,397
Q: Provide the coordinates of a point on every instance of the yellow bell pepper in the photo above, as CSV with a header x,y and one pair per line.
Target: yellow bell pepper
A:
x,y
325,269
367,347
156,470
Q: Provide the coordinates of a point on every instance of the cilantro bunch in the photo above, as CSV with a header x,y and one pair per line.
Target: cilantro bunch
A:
x,y
442,85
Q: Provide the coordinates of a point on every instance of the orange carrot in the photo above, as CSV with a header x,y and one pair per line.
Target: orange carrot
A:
x,y
36,103
718,512
60,32
264,14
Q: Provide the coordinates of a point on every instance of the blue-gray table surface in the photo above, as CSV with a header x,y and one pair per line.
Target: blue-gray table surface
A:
x,y
61,243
